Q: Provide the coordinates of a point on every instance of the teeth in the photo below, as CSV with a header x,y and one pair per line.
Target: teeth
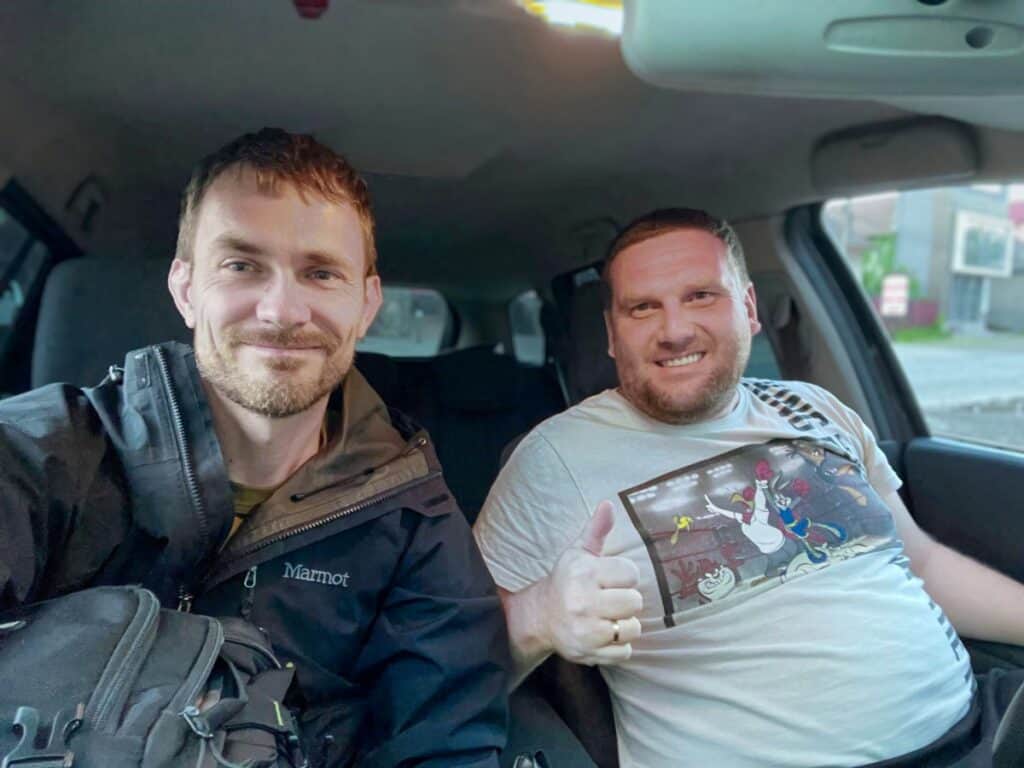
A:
x,y
688,360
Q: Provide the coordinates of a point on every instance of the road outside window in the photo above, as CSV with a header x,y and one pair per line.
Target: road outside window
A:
x,y
527,332
411,323
944,269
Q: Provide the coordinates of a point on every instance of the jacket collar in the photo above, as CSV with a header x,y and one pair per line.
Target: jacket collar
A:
x,y
174,472
372,451
365,458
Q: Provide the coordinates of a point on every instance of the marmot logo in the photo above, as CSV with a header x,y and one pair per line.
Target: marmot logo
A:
x,y
302,573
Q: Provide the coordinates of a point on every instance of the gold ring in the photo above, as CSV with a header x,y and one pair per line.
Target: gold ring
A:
x,y
615,631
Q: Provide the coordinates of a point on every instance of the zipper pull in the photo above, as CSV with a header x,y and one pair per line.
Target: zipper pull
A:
x,y
115,374
185,599
250,593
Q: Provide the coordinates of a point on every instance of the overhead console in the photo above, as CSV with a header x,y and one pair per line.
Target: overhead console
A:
x,y
880,49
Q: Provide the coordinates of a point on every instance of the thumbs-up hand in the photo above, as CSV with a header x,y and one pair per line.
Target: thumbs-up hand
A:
x,y
591,600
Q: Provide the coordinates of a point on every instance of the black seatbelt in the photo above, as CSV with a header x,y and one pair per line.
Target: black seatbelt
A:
x,y
1008,745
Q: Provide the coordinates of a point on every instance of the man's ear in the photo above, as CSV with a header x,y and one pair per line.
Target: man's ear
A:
x,y
179,283
750,306
608,331
373,298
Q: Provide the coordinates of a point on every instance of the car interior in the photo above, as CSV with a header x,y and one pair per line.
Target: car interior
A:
x,y
503,151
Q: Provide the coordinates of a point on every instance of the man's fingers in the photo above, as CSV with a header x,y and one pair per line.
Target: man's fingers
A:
x,y
613,572
619,603
597,530
629,630
611,654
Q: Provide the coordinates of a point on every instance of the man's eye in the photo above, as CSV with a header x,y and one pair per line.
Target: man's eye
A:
x,y
702,297
322,274
238,266
642,308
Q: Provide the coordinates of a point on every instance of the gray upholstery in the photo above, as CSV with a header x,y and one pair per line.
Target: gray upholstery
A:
x,y
588,368
94,311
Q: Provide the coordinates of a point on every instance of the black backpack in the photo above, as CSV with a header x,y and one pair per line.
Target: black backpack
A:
x,y
105,678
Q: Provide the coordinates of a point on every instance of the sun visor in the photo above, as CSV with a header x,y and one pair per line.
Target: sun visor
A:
x,y
853,49
920,152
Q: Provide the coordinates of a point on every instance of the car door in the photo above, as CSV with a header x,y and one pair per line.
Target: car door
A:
x,y
925,290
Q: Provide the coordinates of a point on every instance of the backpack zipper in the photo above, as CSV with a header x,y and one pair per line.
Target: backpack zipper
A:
x,y
114,687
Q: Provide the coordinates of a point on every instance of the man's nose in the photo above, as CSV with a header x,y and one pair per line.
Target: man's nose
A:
x,y
677,328
283,303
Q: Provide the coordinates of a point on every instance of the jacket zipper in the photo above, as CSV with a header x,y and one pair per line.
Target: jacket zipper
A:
x,y
341,513
249,599
191,481
186,597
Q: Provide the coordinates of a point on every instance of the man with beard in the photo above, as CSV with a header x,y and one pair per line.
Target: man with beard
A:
x,y
259,475
734,552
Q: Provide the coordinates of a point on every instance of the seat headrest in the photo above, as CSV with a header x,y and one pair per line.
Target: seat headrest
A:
x,y
478,379
588,368
381,372
94,311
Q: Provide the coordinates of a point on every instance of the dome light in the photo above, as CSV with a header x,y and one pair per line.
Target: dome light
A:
x,y
602,15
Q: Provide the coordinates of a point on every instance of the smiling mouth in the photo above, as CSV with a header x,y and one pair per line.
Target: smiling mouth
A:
x,y
679,362
276,348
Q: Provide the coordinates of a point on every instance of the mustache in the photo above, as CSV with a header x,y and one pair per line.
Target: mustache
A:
x,y
284,338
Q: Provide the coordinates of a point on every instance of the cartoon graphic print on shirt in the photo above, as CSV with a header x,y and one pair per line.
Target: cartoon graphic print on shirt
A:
x,y
754,518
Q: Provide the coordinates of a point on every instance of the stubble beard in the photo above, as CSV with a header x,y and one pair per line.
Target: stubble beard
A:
x,y
713,397
281,396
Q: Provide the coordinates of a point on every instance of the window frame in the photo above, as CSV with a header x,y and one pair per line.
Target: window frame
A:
x,y
888,393
41,227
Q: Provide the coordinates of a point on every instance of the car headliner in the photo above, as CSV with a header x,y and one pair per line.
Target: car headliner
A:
x,y
495,145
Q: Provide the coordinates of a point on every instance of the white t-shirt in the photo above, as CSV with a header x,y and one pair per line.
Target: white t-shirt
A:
x,y
781,623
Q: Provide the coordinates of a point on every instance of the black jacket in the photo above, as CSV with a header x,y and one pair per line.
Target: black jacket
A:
x,y
361,568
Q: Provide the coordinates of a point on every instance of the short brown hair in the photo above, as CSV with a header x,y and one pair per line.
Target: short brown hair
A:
x,y
666,220
279,157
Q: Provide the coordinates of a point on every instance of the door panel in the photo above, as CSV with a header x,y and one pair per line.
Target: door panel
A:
x,y
969,497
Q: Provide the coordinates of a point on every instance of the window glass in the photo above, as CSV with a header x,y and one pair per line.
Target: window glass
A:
x,y
13,238
527,332
411,323
944,269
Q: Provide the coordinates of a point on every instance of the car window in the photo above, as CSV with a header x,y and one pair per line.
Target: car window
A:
x,y
944,270
412,322
527,332
22,259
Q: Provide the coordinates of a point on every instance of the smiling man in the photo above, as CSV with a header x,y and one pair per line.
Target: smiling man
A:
x,y
734,552
259,475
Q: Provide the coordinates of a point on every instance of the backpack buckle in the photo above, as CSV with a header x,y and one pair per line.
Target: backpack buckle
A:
x,y
199,725
25,754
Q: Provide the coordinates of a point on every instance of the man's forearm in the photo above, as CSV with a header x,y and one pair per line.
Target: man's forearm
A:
x,y
524,611
980,602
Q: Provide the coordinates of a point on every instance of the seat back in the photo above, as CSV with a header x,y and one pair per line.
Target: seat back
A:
x,y
483,399
94,311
